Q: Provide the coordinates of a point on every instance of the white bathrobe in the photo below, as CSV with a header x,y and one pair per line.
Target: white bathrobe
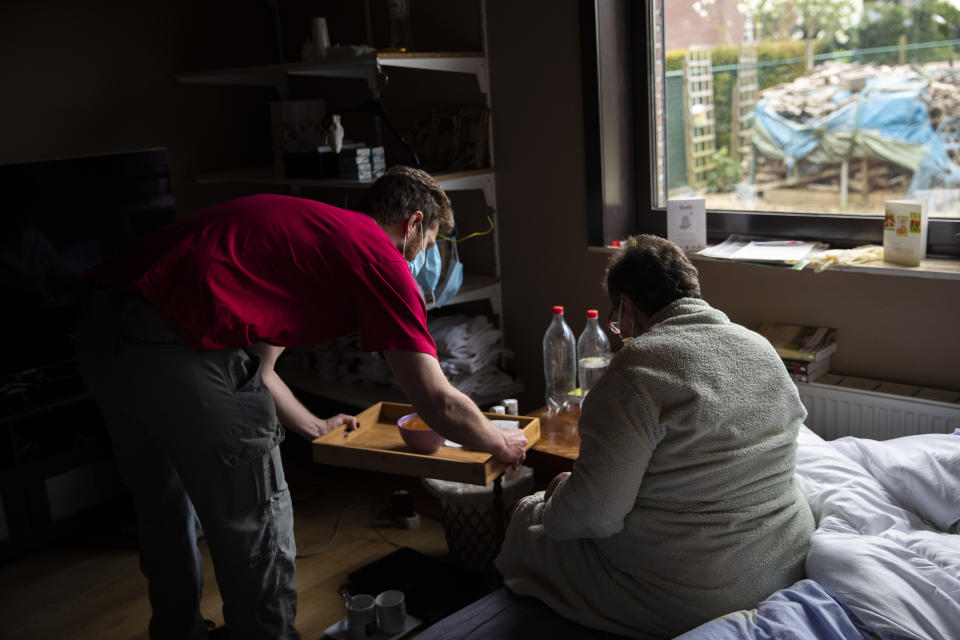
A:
x,y
682,505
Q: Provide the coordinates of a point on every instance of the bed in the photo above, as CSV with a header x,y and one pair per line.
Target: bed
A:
x,y
884,560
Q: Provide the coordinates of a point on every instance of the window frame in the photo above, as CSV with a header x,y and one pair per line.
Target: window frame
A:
x,y
613,168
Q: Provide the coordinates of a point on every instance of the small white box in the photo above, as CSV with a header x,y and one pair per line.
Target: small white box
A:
x,y
905,232
745,192
687,223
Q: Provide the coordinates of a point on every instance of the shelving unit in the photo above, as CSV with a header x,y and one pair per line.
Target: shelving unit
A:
x,y
364,67
369,68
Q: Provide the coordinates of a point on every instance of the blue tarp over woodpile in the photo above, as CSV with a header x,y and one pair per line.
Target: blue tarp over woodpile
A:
x,y
887,120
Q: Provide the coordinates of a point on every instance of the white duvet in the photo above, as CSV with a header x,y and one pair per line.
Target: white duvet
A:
x,y
886,545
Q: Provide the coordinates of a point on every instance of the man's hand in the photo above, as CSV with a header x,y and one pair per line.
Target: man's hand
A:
x,y
560,477
318,426
448,411
514,447
291,411
341,418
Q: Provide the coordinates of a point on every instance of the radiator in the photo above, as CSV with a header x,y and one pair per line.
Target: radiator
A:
x,y
833,412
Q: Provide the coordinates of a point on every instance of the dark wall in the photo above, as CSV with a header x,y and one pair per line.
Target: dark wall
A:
x,y
81,78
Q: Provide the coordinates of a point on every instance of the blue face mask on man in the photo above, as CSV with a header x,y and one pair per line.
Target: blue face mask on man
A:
x,y
452,280
429,274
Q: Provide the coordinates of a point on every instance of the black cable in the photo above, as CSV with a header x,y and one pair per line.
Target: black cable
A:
x,y
336,530
375,107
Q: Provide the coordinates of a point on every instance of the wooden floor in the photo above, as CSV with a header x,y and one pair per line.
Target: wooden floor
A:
x,y
90,586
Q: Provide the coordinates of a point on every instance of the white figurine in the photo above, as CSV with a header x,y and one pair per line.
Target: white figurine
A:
x,y
335,134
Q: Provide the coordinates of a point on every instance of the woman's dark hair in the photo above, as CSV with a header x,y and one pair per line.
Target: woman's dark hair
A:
x,y
653,271
401,191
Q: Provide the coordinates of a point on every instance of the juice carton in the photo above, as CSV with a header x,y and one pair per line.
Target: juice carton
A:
x,y
905,232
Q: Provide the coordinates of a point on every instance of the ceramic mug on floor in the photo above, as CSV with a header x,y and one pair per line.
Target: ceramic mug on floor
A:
x,y
361,616
391,611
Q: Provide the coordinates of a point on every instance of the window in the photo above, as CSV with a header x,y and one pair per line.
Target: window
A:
x,y
803,132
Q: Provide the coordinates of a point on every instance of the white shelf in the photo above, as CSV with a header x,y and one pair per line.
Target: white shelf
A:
x,y
450,181
361,67
476,287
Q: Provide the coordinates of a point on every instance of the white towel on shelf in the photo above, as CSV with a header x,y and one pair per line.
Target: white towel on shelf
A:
x,y
469,350
453,367
489,381
463,337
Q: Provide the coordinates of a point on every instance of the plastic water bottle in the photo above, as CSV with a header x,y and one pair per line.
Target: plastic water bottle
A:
x,y
559,363
593,353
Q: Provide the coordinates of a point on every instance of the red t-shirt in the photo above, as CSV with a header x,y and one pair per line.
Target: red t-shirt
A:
x,y
278,269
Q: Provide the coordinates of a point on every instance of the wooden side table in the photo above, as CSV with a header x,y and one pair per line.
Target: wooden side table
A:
x,y
558,446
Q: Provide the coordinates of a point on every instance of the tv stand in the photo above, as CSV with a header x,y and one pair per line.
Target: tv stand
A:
x,y
56,464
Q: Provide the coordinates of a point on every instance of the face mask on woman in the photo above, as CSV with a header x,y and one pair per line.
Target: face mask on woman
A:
x,y
614,327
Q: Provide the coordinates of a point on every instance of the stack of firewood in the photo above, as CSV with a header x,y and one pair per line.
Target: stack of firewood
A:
x,y
832,85
811,96
943,105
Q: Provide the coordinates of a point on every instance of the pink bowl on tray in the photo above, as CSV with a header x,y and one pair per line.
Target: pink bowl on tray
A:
x,y
418,436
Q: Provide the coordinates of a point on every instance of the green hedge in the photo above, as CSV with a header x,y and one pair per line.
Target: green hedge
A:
x,y
883,24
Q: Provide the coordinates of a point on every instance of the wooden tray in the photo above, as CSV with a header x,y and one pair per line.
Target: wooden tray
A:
x,y
377,446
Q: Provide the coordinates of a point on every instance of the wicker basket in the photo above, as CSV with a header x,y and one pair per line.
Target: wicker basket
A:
x,y
474,520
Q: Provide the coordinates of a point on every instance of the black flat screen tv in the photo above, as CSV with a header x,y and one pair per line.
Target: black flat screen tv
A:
x,y
59,218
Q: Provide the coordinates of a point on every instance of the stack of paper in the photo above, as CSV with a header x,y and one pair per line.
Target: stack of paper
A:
x,y
747,249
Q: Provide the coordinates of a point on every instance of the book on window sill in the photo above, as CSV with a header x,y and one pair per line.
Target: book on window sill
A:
x,y
799,342
741,248
808,377
805,367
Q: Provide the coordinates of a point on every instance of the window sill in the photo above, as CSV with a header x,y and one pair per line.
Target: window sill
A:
x,y
935,268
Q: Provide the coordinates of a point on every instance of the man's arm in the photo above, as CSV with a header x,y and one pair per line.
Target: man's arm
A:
x,y
448,411
291,411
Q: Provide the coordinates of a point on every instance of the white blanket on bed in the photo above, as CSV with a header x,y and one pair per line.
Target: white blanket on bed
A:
x,y
881,547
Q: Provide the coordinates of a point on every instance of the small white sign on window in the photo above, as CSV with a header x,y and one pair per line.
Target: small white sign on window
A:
x,y
687,223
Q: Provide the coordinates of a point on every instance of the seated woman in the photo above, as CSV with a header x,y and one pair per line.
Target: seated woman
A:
x,y
682,505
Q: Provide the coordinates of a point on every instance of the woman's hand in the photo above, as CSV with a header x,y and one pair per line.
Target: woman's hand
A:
x,y
560,477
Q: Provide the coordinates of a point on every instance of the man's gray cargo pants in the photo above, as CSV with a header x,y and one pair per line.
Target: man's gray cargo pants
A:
x,y
195,436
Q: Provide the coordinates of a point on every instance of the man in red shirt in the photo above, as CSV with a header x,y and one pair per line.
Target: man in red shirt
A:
x,y
179,345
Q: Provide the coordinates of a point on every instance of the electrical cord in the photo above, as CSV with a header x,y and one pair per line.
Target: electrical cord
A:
x,y
336,529
475,234
385,538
